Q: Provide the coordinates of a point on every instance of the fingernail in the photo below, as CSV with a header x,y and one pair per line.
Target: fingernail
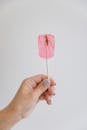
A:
x,y
46,82
55,84
54,94
49,102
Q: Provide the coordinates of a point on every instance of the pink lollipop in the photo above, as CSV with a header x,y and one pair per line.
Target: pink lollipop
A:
x,y
46,45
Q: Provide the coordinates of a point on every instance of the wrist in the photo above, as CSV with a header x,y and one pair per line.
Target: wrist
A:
x,y
8,118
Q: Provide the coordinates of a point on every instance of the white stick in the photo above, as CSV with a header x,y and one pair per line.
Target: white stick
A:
x,y
47,71
47,66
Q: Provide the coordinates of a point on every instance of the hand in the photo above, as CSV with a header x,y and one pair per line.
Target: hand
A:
x,y
31,91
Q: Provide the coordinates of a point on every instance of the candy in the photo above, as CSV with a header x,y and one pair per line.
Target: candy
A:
x,y
46,45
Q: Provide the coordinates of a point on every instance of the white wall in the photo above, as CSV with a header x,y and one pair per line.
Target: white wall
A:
x,y
20,23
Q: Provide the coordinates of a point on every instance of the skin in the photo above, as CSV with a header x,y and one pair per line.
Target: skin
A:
x,y
31,91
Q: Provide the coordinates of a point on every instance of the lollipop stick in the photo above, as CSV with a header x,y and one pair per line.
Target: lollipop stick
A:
x,y
46,56
46,63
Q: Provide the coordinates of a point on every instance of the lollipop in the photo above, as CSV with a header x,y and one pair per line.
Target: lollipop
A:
x,y
46,45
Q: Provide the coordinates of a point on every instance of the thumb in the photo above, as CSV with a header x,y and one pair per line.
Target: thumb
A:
x,y
42,87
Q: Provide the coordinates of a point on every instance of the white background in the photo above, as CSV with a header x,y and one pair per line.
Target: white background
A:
x,y
21,21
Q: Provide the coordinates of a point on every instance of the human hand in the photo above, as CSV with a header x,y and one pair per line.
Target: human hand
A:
x,y
31,91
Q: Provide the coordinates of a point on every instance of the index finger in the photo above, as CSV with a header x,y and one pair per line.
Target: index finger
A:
x,y
38,78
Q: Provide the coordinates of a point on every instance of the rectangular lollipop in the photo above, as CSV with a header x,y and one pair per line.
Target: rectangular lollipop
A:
x,y
46,45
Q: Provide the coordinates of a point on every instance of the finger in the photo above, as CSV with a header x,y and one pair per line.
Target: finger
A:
x,y
48,99
42,87
52,82
39,78
42,97
51,90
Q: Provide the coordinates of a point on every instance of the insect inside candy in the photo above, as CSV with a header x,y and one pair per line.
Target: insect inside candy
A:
x,y
46,40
